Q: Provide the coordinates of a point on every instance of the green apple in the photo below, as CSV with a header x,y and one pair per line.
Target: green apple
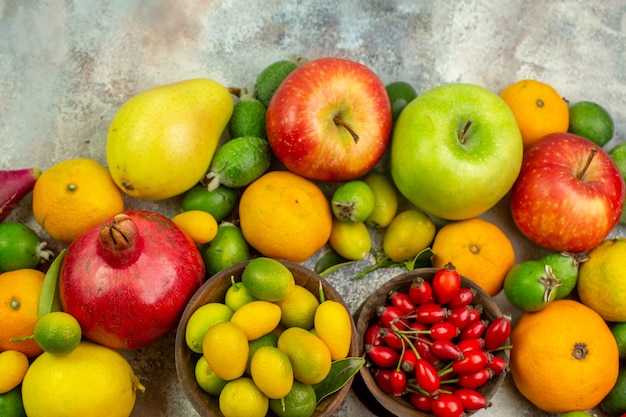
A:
x,y
456,151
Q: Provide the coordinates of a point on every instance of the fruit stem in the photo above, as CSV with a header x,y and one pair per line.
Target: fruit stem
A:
x,y
592,153
343,124
464,131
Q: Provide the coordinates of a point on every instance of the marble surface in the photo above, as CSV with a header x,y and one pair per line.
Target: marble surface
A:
x,y
67,66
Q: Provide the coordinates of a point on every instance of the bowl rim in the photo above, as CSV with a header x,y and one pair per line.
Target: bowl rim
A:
x,y
186,375
398,405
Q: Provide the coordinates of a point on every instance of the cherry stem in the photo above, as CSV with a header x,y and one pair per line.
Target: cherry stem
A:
x,y
343,124
464,130
592,153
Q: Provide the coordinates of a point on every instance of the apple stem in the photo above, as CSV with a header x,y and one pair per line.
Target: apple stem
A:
x,y
464,131
340,122
592,153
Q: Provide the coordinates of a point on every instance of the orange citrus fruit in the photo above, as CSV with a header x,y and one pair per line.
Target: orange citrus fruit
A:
x,y
478,249
564,357
74,195
19,309
538,109
286,216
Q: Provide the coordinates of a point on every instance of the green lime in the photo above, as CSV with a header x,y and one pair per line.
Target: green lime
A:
x,y
299,402
267,279
248,118
576,414
530,286
219,203
619,332
618,154
227,248
208,380
591,121
237,295
11,403
58,333
400,94
201,320
239,162
298,308
565,268
240,397
615,401
353,201
20,247
270,79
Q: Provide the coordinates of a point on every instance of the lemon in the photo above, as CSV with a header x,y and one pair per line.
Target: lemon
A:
x,y
199,225
201,320
601,283
385,200
208,380
271,371
351,240
408,234
225,347
618,154
309,355
237,295
299,402
242,398
270,78
591,121
333,325
92,380
257,318
58,333
298,308
353,201
219,203
248,118
267,279
269,339
14,365
11,403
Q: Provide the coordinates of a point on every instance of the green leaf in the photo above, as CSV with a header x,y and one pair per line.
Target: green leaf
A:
x,y
49,300
340,373
330,262
421,260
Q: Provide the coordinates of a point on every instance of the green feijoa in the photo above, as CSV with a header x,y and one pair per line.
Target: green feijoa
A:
x,y
565,268
270,79
227,248
614,402
21,247
219,202
530,285
400,94
353,201
239,162
619,332
248,118
618,154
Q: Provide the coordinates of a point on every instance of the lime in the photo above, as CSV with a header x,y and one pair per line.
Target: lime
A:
x,y
239,162
248,118
576,414
299,402
241,398
267,279
408,234
269,339
20,247
530,285
227,248
615,401
353,201
298,308
564,268
351,240
237,295
201,320
257,318
270,78
208,380
58,333
219,203
619,332
385,200
271,372
618,154
11,403
591,121
400,94
225,347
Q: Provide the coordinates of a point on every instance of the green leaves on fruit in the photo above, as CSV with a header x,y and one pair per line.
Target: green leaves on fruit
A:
x,y
341,371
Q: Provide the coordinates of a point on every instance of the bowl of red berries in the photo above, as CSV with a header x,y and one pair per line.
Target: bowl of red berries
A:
x,y
435,344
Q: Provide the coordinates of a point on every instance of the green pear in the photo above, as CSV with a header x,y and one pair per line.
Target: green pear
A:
x,y
161,142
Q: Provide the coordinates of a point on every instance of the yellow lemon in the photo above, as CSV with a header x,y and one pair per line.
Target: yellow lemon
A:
x,y
257,318
225,347
200,321
385,200
298,309
408,234
350,239
333,325
242,398
14,365
271,372
309,355
199,225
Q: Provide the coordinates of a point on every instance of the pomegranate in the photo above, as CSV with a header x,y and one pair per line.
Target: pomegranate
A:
x,y
128,280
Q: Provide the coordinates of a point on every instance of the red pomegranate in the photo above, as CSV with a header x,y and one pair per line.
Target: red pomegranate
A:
x,y
128,280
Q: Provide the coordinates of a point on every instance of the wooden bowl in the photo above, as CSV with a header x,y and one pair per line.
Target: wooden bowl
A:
x,y
213,290
399,406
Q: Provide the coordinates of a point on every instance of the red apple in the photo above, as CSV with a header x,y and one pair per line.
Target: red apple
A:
x,y
569,194
329,120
